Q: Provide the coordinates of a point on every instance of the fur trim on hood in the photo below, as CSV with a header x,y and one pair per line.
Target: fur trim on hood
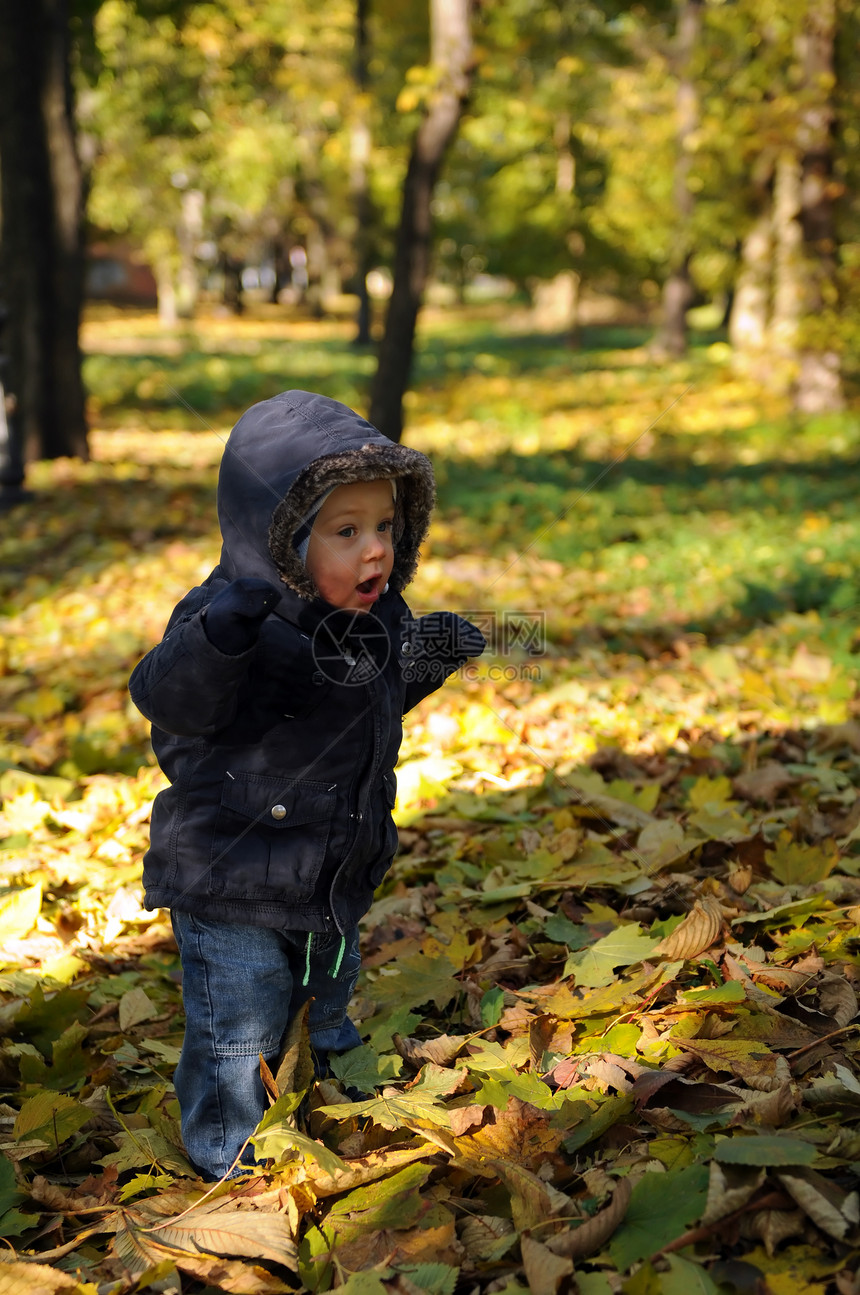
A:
x,y
372,461
282,456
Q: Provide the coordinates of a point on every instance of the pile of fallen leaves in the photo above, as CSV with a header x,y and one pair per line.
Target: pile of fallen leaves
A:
x,y
609,1001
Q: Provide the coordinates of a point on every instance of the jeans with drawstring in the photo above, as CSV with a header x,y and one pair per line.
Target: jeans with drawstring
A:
x,y
242,985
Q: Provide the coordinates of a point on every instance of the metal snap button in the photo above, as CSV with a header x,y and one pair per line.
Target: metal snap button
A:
x,y
279,811
318,677
406,649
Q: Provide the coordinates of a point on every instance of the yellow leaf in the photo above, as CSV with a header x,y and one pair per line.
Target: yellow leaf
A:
x,y
42,704
38,1279
796,864
19,911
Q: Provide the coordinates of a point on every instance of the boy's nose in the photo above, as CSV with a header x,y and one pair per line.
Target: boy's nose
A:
x,y
374,547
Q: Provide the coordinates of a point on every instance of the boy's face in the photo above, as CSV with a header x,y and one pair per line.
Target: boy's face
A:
x,y
351,549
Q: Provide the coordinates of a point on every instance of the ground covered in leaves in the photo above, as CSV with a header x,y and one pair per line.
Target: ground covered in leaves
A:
x,y
610,991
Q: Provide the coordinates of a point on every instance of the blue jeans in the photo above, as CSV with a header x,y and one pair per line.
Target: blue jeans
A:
x,y
242,985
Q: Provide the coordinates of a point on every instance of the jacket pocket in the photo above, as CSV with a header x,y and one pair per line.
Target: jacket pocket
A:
x,y
271,836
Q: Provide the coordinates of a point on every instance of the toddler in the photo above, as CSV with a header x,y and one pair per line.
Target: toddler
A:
x,y
276,698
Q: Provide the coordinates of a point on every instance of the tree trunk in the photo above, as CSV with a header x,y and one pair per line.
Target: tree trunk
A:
x,y
42,197
750,310
232,294
189,234
451,54
788,271
672,336
359,182
819,382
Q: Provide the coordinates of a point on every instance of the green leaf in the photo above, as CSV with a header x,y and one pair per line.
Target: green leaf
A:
x,y
797,864
593,1284
363,1068
363,1284
389,1203
141,1183
764,1149
383,1025
417,980
140,1148
594,967
50,1118
395,1110
662,1208
9,1193
276,1140
70,1062
434,1279
12,1220
786,914
527,1087
44,1018
589,1124
731,992
492,1006
620,1039
686,1278
562,931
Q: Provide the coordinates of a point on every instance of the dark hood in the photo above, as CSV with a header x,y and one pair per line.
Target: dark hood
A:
x,y
281,457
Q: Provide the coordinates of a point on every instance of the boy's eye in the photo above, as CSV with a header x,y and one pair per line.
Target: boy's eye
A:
x,y
385,526
347,532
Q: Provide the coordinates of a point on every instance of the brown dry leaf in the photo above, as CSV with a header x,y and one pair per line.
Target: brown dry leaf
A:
x,y
412,1245
837,998
233,1275
764,783
441,1051
729,1189
833,736
53,1197
34,1279
592,1235
774,1226
772,1109
832,1210
766,1076
464,1119
697,932
545,1271
751,1061
533,1202
217,1227
740,878
482,1234
520,1134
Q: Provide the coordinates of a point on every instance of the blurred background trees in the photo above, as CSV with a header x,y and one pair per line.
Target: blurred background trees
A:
x,y
673,154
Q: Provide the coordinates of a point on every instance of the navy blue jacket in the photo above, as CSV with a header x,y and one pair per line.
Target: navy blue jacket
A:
x,y
281,759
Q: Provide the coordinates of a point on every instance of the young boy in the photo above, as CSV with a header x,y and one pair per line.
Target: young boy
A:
x,y
276,699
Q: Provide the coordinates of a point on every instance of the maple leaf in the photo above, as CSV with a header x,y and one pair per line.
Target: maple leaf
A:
x,y
417,980
798,864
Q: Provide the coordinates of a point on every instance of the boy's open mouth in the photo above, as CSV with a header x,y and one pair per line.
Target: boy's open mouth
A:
x,y
368,586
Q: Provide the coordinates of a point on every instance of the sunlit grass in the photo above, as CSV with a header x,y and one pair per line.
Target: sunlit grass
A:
x,y
680,537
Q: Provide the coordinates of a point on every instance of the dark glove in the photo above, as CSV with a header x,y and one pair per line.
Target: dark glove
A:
x,y
470,640
448,636
233,618
436,645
